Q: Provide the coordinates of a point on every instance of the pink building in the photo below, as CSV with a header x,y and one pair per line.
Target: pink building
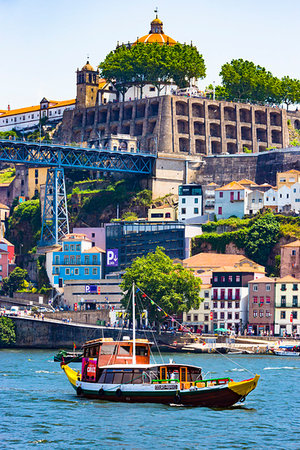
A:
x,y
9,247
96,235
290,260
4,264
261,305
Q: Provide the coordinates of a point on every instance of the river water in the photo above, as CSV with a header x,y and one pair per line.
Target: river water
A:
x,y
39,409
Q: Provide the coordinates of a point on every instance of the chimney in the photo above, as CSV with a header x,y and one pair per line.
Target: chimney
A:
x,y
8,107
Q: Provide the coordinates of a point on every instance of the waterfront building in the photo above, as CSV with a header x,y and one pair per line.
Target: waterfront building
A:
x,y
128,240
189,202
290,259
199,319
93,294
261,306
278,199
230,294
287,306
75,259
29,117
231,200
203,263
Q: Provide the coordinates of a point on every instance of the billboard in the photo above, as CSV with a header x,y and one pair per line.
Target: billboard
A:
x,y
112,257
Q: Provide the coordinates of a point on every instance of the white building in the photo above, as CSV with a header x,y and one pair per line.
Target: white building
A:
x,y
231,200
295,198
278,199
189,201
27,118
255,201
199,319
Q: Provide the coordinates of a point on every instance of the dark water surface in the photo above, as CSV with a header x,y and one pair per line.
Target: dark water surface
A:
x,y
39,408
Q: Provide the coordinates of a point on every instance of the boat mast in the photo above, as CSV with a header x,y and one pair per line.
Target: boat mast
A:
x,y
133,325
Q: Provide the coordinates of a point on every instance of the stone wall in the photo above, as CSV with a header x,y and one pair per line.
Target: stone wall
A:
x,y
87,317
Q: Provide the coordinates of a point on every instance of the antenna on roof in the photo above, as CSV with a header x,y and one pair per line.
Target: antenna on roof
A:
x,y
156,11
88,57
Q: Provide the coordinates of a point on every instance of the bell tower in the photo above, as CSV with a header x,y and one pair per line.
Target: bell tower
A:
x,y
87,86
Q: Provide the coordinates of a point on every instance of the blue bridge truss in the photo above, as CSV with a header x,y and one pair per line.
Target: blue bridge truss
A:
x,y
56,158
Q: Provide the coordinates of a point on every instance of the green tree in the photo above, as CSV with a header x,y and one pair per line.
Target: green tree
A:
x,y
25,220
159,65
261,238
7,331
244,80
289,91
173,287
15,281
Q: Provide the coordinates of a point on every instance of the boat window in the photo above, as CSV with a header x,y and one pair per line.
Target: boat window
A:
x,y
108,349
163,373
183,374
102,376
109,377
118,374
141,350
137,377
93,352
127,376
194,374
124,350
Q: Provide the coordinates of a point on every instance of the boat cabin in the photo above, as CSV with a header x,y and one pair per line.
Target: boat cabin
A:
x,y
106,351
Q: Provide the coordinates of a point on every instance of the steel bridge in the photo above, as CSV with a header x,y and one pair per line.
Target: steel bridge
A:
x,y
55,224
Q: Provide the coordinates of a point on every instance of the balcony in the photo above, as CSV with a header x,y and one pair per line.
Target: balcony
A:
x,y
77,263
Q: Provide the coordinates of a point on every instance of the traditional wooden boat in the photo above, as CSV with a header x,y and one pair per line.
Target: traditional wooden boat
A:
x,y
68,357
120,371
288,350
111,372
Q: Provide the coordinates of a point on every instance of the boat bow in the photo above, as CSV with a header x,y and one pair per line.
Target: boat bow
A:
x,y
243,388
72,375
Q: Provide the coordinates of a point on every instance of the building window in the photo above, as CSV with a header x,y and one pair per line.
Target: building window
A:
x,y
268,314
294,313
293,252
261,300
66,260
237,316
295,287
229,294
183,200
206,294
67,271
221,194
238,278
0,268
230,279
215,304
268,299
86,259
77,247
222,279
261,313
72,247
237,305
188,318
229,305
94,259
222,305
195,317
222,315
255,299
220,210
215,294
295,301
183,211
283,301
215,278
56,259
66,247
254,313
205,318
229,316
196,211
268,287
283,287
94,271
255,287
206,305
282,315
76,271
215,315
237,294
86,271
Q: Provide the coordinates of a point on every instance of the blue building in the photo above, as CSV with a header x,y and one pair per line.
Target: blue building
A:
x,y
75,259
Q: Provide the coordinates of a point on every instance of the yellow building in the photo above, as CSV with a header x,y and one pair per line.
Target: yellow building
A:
x,y
288,178
165,213
287,305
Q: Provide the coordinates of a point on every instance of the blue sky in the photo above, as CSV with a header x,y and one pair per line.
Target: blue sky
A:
x,y
44,41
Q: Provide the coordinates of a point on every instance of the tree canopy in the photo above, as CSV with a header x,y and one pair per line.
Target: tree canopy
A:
x,y
243,80
173,287
7,331
25,220
15,281
153,63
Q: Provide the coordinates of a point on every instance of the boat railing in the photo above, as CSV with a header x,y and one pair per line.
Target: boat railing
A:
x,y
197,383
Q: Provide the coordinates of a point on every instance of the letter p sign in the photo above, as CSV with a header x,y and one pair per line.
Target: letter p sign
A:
x,y
112,257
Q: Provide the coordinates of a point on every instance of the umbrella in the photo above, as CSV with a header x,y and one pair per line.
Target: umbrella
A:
x,y
222,330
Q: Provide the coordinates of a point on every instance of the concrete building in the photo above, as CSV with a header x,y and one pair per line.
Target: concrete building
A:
x,y
230,295
203,263
231,200
92,294
27,118
290,259
295,198
287,306
209,196
189,202
255,201
278,199
76,259
261,306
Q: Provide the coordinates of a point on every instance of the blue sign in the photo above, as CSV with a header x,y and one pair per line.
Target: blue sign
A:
x,y
112,259
92,289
